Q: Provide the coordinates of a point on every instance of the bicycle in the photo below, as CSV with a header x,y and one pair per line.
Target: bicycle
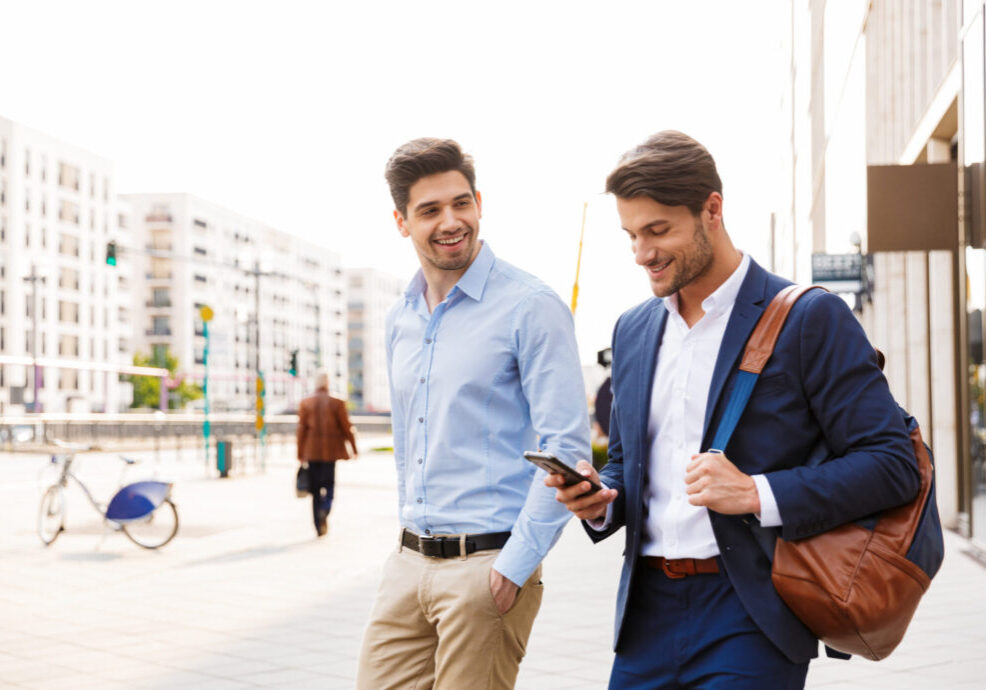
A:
x,y
143,511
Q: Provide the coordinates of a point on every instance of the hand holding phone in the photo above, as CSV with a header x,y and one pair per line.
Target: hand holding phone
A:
x,y
553,465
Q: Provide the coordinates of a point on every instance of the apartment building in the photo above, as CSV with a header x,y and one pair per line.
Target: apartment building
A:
x,y
371,295
193,253
59,299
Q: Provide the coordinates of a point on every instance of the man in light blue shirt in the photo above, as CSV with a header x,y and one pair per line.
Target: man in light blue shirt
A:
x,y
483,366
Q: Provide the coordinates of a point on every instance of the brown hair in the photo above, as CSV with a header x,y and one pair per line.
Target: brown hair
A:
x,y
671,168
423,157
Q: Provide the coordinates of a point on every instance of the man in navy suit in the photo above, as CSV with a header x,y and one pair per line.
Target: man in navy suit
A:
x,y
696,607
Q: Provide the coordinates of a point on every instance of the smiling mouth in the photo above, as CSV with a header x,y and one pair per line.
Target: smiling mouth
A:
x,y
657,269
451,241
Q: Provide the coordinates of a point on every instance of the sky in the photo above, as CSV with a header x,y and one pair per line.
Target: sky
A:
x,y
288,111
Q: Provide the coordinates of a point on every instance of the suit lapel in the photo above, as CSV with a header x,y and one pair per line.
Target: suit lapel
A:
x,y
746,312
647,364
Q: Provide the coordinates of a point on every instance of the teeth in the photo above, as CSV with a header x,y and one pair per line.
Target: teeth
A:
x,y
661,267
451,240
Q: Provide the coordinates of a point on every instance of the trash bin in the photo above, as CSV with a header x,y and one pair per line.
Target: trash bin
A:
x,y
224,457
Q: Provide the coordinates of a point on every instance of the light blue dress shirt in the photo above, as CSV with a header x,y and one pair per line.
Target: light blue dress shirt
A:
x,y
492,372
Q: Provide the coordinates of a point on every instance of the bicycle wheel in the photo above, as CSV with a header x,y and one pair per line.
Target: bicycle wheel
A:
x,y
155,530
51,517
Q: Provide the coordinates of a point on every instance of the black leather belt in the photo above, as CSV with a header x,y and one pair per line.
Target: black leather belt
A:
x,y
453,546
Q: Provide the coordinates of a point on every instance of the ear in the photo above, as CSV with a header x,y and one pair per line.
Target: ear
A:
x,y
479,204
401,224
712,209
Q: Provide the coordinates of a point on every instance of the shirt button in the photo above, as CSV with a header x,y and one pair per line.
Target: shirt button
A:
x,y
421,419
422,379
427,341
420,460
427,531
420,500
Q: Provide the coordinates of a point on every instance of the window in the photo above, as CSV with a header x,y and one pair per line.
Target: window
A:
x,y
68,380
199,223
68,176
68,312
159,354
68,211
200,251
199,278
68,245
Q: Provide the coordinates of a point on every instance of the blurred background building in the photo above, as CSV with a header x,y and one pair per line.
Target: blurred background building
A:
x,y
116,276
191,253
371,295
886,148
59,299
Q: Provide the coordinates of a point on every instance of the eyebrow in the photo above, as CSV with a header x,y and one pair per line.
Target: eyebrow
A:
x,y
426,204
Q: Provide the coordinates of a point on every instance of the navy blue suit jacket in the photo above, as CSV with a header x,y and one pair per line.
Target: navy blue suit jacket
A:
x,y
821,386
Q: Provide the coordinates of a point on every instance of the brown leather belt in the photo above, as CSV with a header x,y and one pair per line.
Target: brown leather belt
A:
x,y
677,568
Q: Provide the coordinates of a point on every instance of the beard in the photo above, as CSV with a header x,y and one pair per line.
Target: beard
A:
x,y
461,259
691,265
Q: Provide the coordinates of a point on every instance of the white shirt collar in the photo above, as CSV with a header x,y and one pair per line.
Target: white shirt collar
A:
x,y
724,296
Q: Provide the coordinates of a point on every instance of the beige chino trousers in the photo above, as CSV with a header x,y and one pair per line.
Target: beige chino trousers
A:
x,y
435,625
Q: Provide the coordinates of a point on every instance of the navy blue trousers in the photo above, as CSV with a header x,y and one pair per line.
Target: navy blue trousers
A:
x,y
694,633
321,482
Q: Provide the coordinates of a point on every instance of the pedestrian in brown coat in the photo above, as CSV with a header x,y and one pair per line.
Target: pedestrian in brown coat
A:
x,y
323,430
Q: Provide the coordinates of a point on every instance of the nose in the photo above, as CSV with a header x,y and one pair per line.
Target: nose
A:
x,y
448,221
643,253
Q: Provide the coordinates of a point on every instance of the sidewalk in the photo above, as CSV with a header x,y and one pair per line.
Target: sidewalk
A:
x,y
246,596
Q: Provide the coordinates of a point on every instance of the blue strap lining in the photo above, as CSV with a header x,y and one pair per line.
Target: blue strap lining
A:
x,y
745,380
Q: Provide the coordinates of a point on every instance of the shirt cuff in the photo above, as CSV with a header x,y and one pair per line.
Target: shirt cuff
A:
x,y
603,523
517,561
770,515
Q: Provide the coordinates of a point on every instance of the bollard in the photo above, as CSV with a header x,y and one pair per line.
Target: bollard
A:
x,y
224,457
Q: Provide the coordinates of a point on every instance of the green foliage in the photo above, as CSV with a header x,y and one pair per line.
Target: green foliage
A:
x,y
600,455
147,389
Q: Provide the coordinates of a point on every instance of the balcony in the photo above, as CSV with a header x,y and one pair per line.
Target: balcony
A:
x,y
157,332
158,303
158,275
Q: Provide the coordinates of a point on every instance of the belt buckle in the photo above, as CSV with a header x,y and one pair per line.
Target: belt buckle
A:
x,y
429,546
670,573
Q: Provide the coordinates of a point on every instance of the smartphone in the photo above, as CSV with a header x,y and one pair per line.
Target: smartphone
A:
x,y
550,463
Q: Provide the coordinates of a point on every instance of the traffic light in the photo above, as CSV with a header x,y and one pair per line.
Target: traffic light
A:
x,y
111,253
293,364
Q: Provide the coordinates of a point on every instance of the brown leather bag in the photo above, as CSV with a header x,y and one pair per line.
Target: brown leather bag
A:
x,y
856,588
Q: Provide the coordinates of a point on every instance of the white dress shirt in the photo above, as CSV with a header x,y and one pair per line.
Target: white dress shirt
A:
x,y
675,528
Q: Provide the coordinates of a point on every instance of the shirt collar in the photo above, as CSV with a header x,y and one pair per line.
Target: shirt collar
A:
x,y
724,296
472,283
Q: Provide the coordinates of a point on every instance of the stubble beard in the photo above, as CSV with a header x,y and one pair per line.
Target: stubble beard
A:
x,y
693,264
457,262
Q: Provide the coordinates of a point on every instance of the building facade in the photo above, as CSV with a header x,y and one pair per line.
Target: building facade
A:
x,y
888,124
190,254
59,299
371,295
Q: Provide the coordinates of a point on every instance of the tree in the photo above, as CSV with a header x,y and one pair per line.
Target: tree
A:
x,y
147,389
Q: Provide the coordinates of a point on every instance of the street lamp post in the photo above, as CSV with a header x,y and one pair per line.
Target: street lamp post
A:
x,y
34,279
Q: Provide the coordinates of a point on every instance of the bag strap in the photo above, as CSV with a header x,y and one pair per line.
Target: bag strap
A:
x,y
759,348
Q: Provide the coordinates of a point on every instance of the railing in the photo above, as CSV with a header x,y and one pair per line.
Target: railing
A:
x,y
158,331
119,430
160,303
